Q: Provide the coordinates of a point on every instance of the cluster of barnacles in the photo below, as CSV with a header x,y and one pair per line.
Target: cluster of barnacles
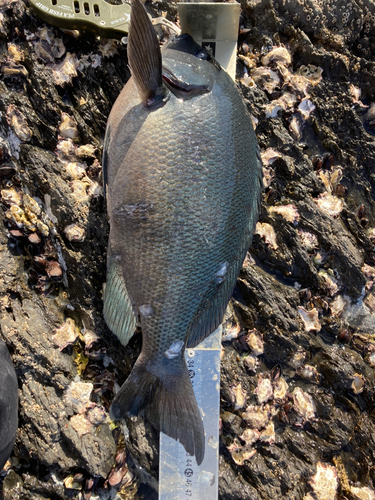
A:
x,y
287,90
30,228
274,398
89,400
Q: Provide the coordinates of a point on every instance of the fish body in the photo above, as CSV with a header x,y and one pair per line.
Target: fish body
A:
x,y
8,405
183,181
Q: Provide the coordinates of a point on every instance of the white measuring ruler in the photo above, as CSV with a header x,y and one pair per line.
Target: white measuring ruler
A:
x,y
179,475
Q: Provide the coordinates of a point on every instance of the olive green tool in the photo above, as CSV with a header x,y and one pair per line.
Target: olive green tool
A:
x,y
100,17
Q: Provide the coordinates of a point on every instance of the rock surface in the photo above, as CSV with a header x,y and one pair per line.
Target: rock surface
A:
x,y
297,389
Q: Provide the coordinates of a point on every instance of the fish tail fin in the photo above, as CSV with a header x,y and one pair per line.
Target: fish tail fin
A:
x,y
169,403
144,55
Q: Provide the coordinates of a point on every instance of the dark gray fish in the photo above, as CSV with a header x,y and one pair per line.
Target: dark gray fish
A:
x,y
183,180
8,405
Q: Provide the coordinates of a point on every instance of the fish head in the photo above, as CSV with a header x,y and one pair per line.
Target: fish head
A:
x,y
189,70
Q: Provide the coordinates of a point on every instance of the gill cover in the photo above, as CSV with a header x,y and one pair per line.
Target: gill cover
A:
x,y
188,68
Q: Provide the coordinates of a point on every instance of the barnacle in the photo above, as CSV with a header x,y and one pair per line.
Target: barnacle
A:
x,y
12,196
86,151
251,362
97,415
303,404
358,383
329,204
18,216
298,358
269,156
312,73
308,372
81,425
68,127
15,52
66,334
76,170
256,417
337,305
66,150
267,435
255,342
17,121
75,233
65,71
295,127
336,177
267,232
325,482
280,389
362,493
31,217
43,228
230,330
248,61
31,205
369,119
239,396
90,338
108,48
268,176
332,284
55,43
288,212
250,436
356,93
240,453
266,78
279,55
78,395
305,108
264,390
247,80
309,240
310,319
79,190
95,189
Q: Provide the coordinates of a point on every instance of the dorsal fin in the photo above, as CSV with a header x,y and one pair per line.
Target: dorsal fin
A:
x,y
144,55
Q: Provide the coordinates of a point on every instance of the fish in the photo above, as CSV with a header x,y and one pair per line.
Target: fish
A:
x,y
183,175
8,405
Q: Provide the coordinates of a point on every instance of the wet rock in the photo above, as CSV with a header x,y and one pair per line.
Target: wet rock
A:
x,y
96,448
231,423
233,486
12,486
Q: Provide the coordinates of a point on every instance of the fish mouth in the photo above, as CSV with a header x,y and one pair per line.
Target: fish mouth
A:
x,y
181,89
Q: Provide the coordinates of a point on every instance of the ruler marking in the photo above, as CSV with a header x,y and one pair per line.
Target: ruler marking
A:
x,y
180,478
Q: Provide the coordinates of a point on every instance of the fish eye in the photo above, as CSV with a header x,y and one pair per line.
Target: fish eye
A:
x,y
201,54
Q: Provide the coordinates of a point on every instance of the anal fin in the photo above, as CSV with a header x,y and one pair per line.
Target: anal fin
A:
x,y
118,311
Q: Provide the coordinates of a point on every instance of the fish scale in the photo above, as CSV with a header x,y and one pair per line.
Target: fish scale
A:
x,y
183,179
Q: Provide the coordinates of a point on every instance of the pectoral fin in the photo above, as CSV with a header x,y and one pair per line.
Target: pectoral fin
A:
x,y
118,310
